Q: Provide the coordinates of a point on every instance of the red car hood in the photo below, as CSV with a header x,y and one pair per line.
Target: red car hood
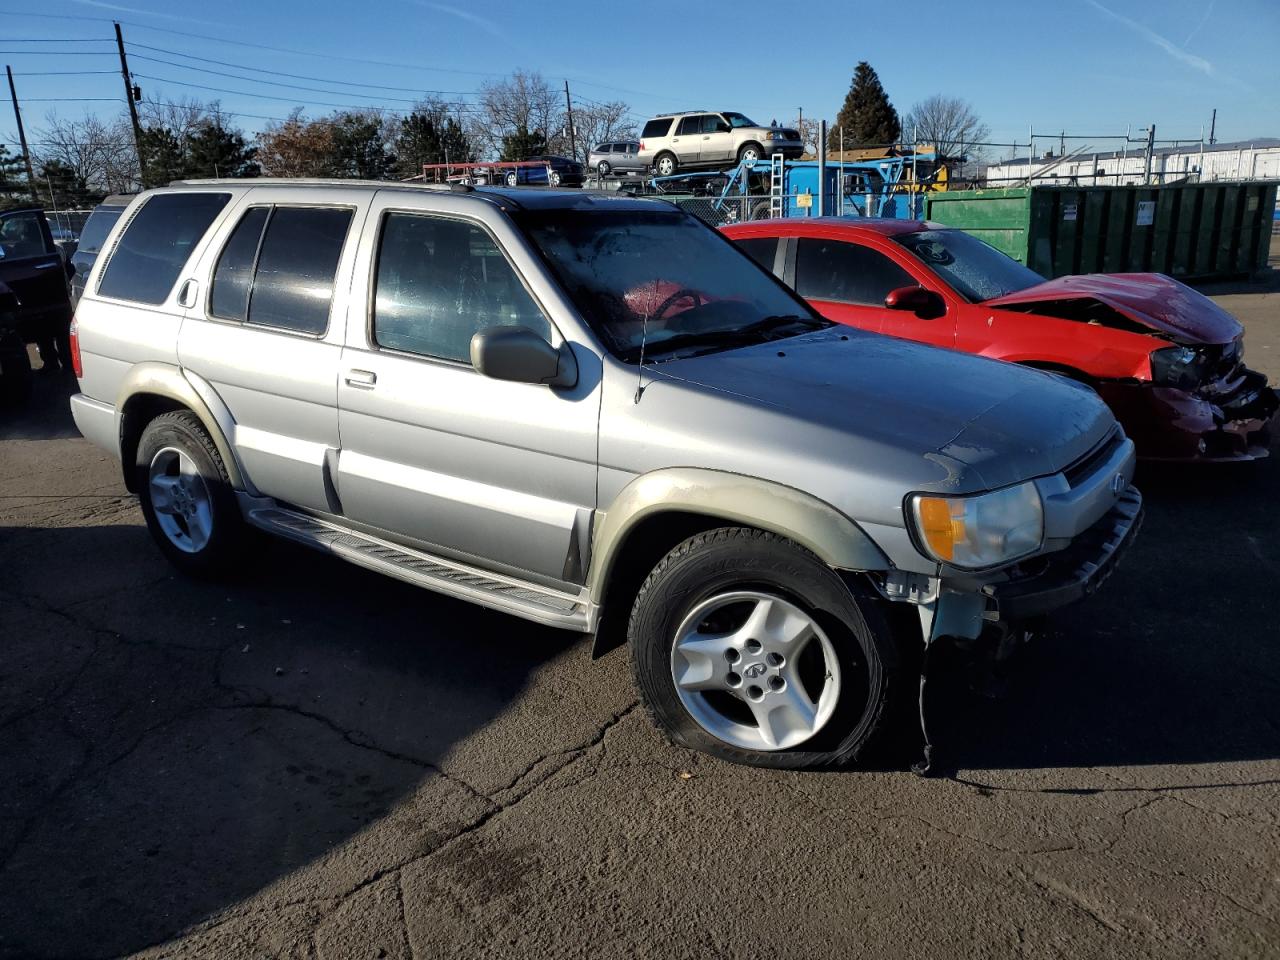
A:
x,y
1150,299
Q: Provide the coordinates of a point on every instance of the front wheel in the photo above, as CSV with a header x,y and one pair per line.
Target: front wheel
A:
x,y
512,179
750,153
553,178
748,647
603,168
186,495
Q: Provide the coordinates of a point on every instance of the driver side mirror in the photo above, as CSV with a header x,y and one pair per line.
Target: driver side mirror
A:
x,y
925,304
722,127
520,355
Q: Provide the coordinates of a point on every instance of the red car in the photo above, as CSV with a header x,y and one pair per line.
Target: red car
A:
x,y
1166,359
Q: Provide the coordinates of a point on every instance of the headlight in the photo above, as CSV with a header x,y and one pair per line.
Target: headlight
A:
x,y
981,531
1182,367
770,135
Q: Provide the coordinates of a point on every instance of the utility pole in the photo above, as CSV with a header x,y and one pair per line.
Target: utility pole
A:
x,y
1213,125
22,135
568,103
133,107
1150,151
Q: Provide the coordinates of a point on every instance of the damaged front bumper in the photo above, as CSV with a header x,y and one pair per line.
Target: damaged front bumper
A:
x,y
964,608
1229,419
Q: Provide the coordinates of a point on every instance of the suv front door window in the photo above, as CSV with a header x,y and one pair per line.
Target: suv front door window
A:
x,y
439,456
717,139
848,282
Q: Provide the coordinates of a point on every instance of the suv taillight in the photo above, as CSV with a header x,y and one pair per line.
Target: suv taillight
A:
x,y
641,144
76,365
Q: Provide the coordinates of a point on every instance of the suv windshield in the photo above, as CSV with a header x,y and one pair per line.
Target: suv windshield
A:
x,y
739,120
977,270
666,273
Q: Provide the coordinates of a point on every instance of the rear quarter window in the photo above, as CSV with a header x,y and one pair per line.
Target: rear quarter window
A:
x,y
150,254
657,128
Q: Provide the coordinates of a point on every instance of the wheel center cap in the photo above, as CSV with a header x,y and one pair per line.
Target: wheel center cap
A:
x,y
754,671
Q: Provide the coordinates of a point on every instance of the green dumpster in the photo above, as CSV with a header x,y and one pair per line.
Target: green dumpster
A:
x,y
1195,231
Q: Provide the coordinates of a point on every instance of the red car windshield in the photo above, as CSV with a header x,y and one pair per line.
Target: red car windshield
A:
x,y
663,277
975,270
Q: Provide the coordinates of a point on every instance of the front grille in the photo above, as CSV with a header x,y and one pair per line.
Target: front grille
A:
x,y
1086,465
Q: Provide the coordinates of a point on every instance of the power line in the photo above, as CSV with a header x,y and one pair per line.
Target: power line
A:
x,y
306,53
291,86
276,73
60,73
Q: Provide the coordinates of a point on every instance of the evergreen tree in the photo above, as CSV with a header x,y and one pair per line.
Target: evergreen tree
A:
x,y
61,187
163,159
360,146
13,178
522,144
214,151
428,135
868,118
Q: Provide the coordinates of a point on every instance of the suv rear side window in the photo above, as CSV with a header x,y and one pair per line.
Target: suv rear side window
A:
x,y
691,125
441,281
656,128
846,272
232,279
277,268
156,244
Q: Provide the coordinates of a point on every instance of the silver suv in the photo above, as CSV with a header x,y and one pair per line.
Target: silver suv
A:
x,y
704,138
595,413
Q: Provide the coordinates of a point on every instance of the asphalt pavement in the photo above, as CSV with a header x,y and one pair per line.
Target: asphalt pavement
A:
x,y
316,761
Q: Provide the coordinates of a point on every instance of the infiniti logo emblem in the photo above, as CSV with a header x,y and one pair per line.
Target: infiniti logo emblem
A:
x,y
1117,483
753,671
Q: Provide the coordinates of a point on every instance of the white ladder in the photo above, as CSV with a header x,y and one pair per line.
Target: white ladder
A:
x,y
777,187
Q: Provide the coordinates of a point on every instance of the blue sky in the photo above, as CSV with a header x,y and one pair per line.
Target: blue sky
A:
x,y
1090,67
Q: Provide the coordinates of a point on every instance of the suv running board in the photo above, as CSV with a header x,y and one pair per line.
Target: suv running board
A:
x,y
493,590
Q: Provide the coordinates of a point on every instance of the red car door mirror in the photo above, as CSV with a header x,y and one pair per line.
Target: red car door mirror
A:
x,y
923,303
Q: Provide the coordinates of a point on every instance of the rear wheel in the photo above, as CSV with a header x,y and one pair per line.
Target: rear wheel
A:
x,y
186,495
665,165
603,168
512,179
748,647
553,178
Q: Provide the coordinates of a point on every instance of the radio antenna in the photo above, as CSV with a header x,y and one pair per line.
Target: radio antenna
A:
x,y
644,336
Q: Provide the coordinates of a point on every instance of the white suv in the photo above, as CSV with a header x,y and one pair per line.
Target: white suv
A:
x,y
703,138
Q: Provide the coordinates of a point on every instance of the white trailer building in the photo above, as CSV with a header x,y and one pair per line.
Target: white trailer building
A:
x,y
1242,160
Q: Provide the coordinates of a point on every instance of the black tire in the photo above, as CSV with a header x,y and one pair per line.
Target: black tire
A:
x,y
749,148
658,163
183,431
735,558
512,179
15,370
603,168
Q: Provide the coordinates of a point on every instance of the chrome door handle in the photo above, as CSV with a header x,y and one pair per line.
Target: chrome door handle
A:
x,y
361,378
45,266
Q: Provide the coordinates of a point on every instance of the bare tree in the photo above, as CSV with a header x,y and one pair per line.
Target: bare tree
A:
x,y
809,131
522,103
949,124
600,122
101,154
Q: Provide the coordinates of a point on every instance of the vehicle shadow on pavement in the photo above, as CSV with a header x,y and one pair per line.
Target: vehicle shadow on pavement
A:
x,y
1174,661
173,747
46,414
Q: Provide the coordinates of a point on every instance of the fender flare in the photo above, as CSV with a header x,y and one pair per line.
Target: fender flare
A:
x,y
172,382
812,523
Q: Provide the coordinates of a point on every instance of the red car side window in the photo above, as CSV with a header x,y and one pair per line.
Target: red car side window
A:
x,y
846,272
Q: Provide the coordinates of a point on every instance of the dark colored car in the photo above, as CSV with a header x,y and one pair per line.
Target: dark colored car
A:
x,y
550,171
1166,359
92,237
33,268
15,365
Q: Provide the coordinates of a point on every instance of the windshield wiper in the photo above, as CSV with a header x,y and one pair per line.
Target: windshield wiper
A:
x,y
756,332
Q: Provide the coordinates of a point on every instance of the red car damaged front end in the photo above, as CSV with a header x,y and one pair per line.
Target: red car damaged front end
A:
x,y
1196,400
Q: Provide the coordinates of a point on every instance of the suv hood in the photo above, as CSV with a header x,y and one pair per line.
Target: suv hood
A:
x,y
987,423
1144,302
